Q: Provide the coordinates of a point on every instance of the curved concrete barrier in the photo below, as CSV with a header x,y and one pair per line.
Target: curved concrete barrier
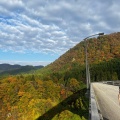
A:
x,y
94,114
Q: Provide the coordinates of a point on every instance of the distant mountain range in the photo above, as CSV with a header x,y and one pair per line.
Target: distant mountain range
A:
x,y
17,69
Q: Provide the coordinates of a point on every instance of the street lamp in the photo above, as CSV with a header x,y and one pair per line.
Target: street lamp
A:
x,y
86,63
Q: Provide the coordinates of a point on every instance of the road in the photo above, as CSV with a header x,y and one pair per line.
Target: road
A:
x,y
107,98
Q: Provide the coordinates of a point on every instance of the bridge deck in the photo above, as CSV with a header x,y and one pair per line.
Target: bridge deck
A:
x,y
107,98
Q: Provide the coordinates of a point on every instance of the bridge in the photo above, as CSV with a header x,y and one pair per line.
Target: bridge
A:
x,y
104,104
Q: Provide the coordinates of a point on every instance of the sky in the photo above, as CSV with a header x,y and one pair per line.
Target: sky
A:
x,y
37,32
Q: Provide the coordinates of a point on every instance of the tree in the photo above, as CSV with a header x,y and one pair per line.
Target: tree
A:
x,y
74,85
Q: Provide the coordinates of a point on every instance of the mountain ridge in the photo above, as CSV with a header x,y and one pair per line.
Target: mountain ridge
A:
x,y
102,48
33,94
103,52
6,68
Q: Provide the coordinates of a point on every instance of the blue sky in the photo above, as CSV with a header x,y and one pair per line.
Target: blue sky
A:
x,y
37,32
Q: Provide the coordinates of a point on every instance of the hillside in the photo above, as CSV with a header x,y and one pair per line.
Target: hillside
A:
x,y
6,67
57,91
103,55
17,69
103,48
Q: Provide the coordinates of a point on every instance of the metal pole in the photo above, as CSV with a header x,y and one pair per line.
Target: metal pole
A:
x,y
88,81
86,63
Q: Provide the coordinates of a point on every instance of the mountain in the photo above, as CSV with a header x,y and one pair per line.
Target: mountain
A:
x,y
5,67
102,51
17,69
57,91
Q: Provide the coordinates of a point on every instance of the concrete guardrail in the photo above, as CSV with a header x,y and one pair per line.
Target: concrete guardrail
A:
x,y
94,115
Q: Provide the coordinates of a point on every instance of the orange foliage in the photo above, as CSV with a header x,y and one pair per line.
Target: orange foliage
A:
x,y
62,92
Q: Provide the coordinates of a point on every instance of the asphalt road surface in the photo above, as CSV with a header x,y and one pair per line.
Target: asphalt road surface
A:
x,y
107,98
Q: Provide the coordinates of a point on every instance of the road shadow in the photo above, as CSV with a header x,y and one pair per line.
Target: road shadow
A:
x,y
105,118
67,104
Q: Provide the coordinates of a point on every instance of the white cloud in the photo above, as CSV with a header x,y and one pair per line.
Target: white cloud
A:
x,y
34,63
54,26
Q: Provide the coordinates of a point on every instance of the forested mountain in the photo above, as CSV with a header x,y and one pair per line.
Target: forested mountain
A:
x,y
6,67
103,55
17,69
103,48
57,91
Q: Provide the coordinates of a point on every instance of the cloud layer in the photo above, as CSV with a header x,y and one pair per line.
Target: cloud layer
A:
x,y
52,26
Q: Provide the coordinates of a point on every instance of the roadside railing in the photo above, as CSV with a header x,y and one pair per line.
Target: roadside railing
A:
x,y
94,110
115,82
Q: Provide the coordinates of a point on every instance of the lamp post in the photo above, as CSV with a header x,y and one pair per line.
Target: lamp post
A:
x,y
87,64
